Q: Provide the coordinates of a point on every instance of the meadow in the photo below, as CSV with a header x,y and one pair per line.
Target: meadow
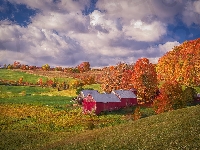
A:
x,y
31,76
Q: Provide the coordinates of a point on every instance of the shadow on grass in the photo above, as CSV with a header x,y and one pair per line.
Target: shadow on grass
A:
x,y
145,111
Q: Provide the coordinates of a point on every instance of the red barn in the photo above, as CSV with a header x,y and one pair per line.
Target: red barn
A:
x,y
127,97
94,101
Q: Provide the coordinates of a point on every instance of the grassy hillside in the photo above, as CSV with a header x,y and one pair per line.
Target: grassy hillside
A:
x,y
35,96
7,74
30,77
173,130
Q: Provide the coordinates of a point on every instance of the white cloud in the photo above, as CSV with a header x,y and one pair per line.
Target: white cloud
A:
x,y
141,31
160,50
167,46
61,35
127,10
64,23
47,6
196,5
191,13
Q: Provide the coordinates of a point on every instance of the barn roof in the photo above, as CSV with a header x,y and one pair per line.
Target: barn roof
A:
x,y
98,97
125,93
105,97
112,97
86,92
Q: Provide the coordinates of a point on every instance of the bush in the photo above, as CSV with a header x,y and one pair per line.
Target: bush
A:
x,y
162,104
171,97
189,95
137,114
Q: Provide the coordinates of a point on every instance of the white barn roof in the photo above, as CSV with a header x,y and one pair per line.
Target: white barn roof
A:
x,y
86,92
112,97
105,97
125,93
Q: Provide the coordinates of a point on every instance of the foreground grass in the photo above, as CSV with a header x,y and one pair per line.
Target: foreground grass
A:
x,y
173,130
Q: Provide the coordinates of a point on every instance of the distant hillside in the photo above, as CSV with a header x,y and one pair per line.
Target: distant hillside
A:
x,y
178,129
182,63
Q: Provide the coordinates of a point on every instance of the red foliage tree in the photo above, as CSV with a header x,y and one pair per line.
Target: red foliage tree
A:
x,y
171,97
144,79
16,65
84,66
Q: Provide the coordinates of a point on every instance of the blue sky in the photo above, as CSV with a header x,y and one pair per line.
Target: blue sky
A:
x,y
66,33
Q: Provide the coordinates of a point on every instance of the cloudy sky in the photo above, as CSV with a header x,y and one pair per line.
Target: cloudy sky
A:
x,y
103,32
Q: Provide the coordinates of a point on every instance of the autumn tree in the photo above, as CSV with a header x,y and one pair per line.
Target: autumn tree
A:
x,y
170,97
58,68
84,66
10,66
46,67
16,65
144,79
116,77
182,64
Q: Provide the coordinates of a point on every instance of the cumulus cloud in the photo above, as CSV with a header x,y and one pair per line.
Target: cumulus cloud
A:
x,y
46,6
69,22
61,34
191,13
141,31
164,10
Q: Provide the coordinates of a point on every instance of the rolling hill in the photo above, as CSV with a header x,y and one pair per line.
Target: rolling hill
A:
x,y
179,129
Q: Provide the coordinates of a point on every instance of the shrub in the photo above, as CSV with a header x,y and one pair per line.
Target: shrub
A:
x,y
189,95
162,104
171,97
137,114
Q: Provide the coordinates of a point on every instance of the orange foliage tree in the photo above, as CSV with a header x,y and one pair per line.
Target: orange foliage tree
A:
x,y
116,77
181,64
171,97
144,79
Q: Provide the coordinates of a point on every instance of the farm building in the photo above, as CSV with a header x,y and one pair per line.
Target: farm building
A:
x,y
97,102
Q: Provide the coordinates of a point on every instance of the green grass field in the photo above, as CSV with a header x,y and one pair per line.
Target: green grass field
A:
x,y
14,75
177,129
34,96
